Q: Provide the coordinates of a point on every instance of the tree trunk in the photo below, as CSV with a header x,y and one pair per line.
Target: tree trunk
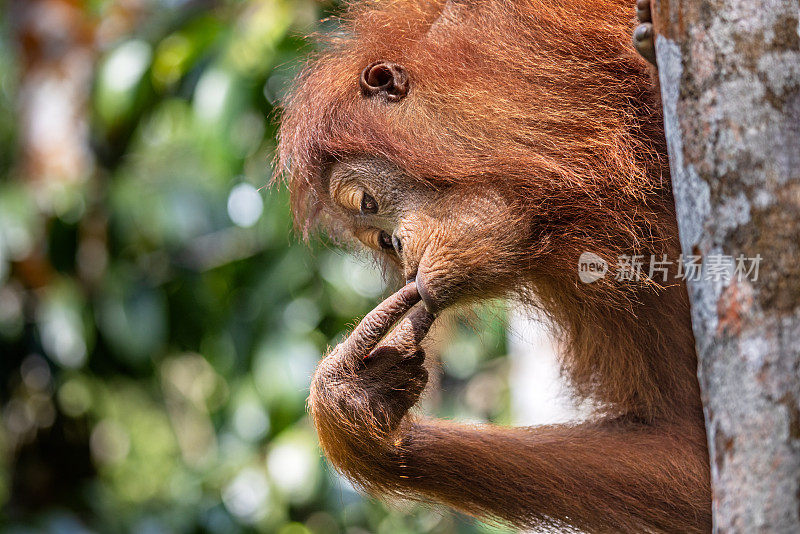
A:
x,y
730,81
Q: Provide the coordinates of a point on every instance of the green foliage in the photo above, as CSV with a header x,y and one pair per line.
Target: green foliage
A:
x,y
156,365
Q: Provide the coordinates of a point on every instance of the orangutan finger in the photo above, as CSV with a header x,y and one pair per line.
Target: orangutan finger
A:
x,y
377,322
407,335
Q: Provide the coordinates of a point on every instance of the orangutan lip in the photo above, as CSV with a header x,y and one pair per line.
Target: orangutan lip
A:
x,y
427,301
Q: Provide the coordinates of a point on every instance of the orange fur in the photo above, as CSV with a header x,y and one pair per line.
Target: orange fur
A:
x,y
548,99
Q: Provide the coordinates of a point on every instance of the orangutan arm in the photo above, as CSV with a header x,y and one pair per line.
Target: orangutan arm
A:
x,y
612,476
607,477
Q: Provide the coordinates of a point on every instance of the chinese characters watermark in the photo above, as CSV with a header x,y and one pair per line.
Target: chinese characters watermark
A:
x,y
659,268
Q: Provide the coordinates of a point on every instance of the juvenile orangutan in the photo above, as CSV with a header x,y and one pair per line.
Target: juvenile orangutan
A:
x,y
479,147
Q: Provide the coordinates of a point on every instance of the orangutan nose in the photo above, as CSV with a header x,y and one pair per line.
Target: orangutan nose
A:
x,y
383,77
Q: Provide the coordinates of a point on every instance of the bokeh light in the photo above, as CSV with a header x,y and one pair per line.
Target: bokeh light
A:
x,y
244,205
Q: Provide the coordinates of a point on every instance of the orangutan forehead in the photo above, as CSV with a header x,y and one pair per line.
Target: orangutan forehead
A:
x,y
364,169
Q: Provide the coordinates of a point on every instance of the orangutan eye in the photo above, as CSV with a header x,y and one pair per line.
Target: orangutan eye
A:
x,y
368,204
375,239
385,241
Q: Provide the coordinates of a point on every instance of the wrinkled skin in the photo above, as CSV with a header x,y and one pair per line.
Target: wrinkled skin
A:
x,y
452,255
380,379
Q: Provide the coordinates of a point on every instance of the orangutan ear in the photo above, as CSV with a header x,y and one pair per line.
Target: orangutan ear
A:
x,y
384,78
452,13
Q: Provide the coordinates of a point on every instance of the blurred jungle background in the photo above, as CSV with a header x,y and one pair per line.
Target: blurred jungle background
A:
x,y
158,319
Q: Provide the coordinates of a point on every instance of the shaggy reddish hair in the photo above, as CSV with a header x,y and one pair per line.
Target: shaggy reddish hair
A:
x,y
549,99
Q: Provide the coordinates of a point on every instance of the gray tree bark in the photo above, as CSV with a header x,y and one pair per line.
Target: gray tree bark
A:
x,y
730,82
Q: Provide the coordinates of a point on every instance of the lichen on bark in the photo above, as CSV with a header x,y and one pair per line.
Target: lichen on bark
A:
x,y
730,80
